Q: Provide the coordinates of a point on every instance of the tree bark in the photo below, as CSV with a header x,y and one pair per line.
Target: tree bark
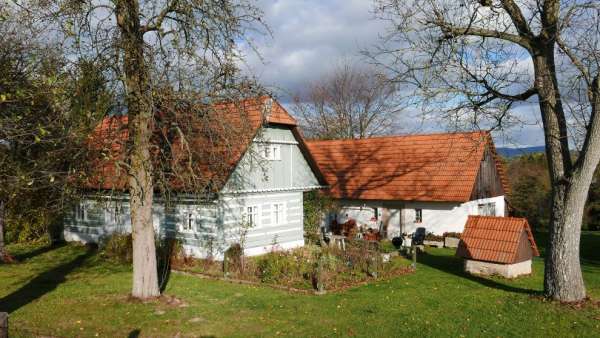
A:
x,y
141,190
563,279
2,248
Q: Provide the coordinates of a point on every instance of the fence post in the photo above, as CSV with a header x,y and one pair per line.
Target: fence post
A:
x,y
3,325
414,256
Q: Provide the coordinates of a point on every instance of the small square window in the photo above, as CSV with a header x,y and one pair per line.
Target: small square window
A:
x,y
81,212
272,152
418,215
279,213
487,209
250,216
188,222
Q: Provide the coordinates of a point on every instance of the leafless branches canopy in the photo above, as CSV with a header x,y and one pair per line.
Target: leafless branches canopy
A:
x,y
154,52
351,102
475,60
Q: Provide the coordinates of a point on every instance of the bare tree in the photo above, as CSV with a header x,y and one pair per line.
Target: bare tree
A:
x,y
187,47
476,60
350,102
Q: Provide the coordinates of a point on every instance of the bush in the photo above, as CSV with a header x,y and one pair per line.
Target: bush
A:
x,y
233,258
386,246
433,237
118,247
452,234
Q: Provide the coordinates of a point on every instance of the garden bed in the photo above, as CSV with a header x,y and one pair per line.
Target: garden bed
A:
x,y
310,269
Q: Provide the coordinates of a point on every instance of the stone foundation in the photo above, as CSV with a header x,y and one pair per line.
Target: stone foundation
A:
x,y
504,270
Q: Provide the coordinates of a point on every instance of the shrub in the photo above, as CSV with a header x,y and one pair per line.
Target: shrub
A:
x,y
118,247
433,237
452,234
386,246
233,258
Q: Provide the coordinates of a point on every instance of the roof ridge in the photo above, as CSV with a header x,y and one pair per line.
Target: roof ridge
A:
x,y
378,137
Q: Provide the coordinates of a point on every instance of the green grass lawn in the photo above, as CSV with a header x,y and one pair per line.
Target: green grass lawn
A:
x,y
67,291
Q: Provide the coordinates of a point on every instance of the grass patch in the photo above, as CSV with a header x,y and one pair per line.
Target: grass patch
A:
x,y
70,291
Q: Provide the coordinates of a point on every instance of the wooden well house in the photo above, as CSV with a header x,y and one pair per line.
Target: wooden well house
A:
x,y
497,246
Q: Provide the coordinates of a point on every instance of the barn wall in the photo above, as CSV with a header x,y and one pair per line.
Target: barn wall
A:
x,y
438,217
488,183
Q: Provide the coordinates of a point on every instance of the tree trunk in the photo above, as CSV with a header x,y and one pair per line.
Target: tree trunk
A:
x,y
563,280
139,104
2,249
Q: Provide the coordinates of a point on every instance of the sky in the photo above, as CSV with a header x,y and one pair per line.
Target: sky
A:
x,y
311,37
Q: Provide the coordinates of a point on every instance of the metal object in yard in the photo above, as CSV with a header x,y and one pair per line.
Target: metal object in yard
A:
x,y
418,237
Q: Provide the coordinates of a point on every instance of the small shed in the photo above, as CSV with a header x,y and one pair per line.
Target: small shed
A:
x,y
497,246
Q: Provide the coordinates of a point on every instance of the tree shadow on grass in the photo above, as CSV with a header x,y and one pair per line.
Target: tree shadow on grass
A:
x,y
37,251
454,265
43,283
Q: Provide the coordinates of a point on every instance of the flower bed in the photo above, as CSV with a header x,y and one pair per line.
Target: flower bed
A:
x,y
308,268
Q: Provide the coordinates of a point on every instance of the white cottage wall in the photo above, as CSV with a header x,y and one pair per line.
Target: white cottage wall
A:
x,y
437,217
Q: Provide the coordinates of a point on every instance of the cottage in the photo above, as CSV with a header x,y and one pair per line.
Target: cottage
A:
x,y
397,184
259,184
497,246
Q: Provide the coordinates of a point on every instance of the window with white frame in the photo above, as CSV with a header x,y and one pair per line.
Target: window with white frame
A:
x,y
487,209
250,215
116,214
278,213
418,215
188,221
81,212
272,152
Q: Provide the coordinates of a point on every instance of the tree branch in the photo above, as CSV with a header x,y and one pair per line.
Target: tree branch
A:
x,y
451,32
517,18
159,18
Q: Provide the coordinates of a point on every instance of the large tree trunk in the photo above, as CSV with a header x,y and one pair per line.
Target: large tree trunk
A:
x,y
563,280
139,104
2,249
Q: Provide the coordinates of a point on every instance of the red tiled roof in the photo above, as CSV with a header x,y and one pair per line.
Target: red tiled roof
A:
x,y
218,141
434,167
495,239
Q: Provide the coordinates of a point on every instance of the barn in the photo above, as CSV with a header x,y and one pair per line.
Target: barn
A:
x,y
397,184
497,246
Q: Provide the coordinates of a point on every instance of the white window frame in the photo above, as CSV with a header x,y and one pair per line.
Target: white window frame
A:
x,y
115,214
271,152
188,221
81,212
418,216
486,209
251,215
278,213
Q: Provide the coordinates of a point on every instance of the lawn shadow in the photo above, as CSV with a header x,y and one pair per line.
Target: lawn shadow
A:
x,y
38,251
43,283
134,333
454,265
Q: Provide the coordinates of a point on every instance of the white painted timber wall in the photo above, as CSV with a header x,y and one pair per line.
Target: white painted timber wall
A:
x,y
438,217
215,226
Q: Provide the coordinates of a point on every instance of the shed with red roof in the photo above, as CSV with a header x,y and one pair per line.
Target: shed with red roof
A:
x,y
497,245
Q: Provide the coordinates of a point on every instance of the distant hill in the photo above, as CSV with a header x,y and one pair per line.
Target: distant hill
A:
x,y
512,152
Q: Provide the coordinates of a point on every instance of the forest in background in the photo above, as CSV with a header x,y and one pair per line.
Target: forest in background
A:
x,y
530,192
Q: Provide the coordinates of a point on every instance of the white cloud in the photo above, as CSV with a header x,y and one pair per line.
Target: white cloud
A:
x,y
311,37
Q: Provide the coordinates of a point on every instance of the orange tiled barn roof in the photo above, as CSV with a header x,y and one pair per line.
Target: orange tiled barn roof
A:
x,y
434,167
494,239
217,143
